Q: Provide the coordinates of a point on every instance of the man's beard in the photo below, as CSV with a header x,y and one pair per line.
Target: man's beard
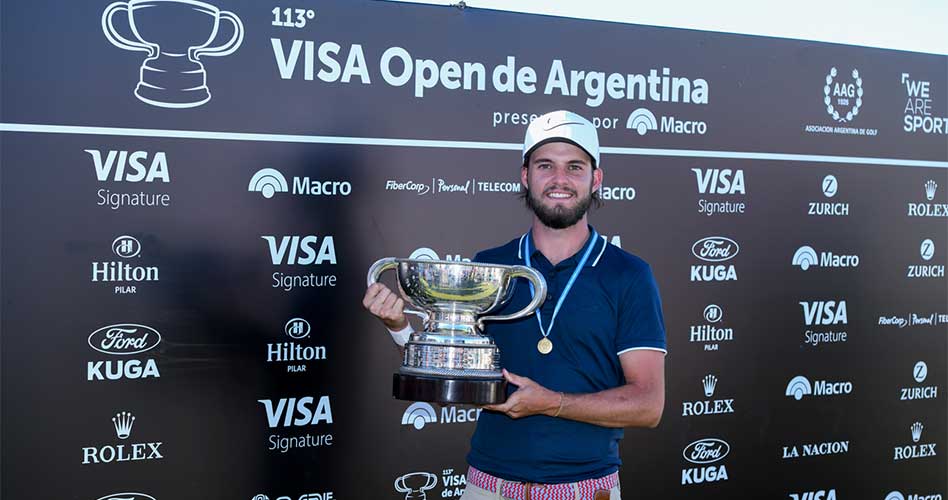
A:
x,y
559,217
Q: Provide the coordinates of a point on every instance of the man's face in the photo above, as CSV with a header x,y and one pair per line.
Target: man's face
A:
x,y
560,180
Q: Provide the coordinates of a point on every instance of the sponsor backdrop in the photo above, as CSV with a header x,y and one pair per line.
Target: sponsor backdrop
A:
x,y
192,194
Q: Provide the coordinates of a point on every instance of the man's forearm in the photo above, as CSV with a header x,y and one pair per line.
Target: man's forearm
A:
x,y
625,406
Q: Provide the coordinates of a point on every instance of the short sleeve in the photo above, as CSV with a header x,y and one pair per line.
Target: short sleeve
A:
x,y
641,323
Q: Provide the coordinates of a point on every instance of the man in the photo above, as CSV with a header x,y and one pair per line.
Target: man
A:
x,y
590,362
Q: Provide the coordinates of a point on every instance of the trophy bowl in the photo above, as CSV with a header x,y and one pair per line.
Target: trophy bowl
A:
x,y
451,360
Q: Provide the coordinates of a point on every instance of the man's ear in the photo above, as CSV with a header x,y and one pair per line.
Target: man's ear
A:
x,y
597,179
524,170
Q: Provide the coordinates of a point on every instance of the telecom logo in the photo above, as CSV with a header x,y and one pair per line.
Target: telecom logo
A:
x,y
709,334
705,453
294,354
815,449
714,249
122,340
131,167
918,109
326,495
800,386
824,319
914,451
842,99
425,253
928,209
707,406
720,182
166,79
642,120
806,257
926,252
920,374
895,495
815,495
122,422
305,250
269,181
121,274
290,414
829,186
420,414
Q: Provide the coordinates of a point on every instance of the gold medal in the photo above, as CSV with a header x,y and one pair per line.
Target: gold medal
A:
x,y
545,346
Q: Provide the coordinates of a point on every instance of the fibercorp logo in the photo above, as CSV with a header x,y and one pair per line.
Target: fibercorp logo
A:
x,y
800,386
419,414
714,249
122,274
705,453
270,181
125,339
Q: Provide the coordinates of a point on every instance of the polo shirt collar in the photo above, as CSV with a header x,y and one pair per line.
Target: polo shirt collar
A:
x,y
535,254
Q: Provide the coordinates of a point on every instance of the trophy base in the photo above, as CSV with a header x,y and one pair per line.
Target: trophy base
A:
x,y
449,390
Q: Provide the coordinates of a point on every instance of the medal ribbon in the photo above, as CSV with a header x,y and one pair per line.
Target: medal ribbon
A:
x,y
569,284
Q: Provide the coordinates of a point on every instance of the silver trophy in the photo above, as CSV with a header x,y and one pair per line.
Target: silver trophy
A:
x,y
451,360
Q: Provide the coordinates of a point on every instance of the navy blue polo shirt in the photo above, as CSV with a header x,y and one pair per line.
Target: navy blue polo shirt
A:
x,y
613,307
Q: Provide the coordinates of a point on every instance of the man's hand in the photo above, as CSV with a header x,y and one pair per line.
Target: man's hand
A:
x,y
530,398
386,306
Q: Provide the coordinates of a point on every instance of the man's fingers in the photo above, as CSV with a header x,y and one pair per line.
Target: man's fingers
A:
x,y
515,379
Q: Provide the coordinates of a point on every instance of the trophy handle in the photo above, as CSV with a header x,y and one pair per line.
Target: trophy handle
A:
x,y
232,45
539,295
376,270
116,38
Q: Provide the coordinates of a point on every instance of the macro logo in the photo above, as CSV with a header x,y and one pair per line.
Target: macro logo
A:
x,y
130,167
268,182
926,251
125,339
896,495
425,253
305,250
705,453
815,495
800,386
296,355
708,406
714,249
124,277
928,209
297,416
914,451
122,422
806,257
420,414
722,183
642,120
920,374
127,496
829,186
710,334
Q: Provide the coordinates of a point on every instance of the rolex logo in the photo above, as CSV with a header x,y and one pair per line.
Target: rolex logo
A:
x,y
930,188
123,424
917,431
709,382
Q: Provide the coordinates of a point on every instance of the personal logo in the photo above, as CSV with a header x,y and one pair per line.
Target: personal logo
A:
x,y
294,251
830,187
643,120
710,334
926,271
806,257
717,188
707,406
843,94
425,253
928,209
125,341
920,109
130,168
291,353
123,277
916,392
800,386
122,423
818,449
420,414
270,181
825,322
708,455
917,449
716,250
298,415
166,31
815,495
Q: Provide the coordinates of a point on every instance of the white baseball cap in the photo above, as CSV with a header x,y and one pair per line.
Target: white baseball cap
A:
x,y
562,126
